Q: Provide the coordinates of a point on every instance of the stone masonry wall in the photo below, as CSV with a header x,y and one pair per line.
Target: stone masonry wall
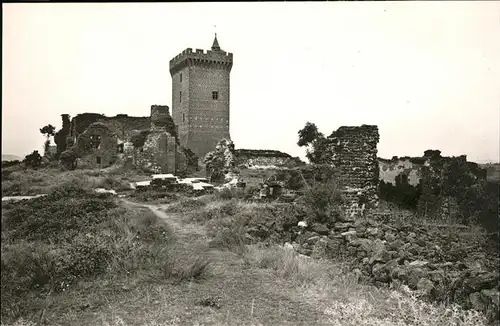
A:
x,y
201,119
448,187
249,158
96,147
159,154
354,152
121,125
389,170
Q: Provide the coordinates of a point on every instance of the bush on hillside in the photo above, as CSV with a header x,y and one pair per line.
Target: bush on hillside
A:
x,y
228,193
51,242
324,200
60,216
6,164
33,160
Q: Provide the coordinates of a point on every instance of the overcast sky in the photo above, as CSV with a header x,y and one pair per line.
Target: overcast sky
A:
x,y
427,73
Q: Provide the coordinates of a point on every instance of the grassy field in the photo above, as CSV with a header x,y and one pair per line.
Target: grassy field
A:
x,y
79,258
19,181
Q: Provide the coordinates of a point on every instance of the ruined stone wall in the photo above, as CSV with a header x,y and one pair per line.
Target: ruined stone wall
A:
x,y
159,154
121,125
161,119
96,147
449,187
389,170
353,151
248,158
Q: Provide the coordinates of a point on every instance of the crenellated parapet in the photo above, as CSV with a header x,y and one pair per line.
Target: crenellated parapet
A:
x,y
217,59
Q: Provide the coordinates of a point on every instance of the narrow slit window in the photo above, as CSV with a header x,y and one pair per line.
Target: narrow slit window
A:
x,y
180,78
98,160
215,95
180,96
183,117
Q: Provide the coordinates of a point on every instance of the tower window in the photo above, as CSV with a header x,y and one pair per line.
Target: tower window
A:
x,y
180,96
215,95
98,160
180,78
183,117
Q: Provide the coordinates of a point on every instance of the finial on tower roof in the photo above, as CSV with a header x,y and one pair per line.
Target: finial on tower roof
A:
x,y
215,45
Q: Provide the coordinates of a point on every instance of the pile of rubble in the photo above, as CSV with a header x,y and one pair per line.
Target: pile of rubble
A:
x,y
170,182
444,264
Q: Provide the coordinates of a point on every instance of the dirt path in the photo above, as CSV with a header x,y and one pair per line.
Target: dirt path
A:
x,y
248,296
174,220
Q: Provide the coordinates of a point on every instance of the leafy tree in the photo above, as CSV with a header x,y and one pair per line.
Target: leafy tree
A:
x,y
33,160
48,131
308,134
316,143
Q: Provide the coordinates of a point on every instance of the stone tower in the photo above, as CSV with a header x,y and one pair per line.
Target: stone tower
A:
x,y
200,97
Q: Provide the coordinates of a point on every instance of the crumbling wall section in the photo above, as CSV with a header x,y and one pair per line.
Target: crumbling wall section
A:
x,y
450,187
158,154
353,151
220,164
248,158
410,167
122,125
96,147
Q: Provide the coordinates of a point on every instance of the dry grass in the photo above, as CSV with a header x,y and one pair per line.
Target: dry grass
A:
x,y
177,282
346,302
138,248
42,181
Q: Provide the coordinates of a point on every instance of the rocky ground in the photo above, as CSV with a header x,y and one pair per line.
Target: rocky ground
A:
x,y
444,262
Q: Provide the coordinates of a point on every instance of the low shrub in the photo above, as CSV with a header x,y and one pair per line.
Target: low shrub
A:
x,y
251,191
215,210
324,200
232,238
188,271
6,164
155,194
187,205
57,217
227,193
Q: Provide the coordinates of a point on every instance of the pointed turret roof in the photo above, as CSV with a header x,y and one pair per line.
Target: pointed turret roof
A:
x,y
215,45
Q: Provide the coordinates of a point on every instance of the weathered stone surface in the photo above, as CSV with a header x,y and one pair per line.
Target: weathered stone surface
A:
x,y
96,147
354,151
342,226
313,240
99,140
220,162
159,154
251,158
320,229
418,263
200,97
